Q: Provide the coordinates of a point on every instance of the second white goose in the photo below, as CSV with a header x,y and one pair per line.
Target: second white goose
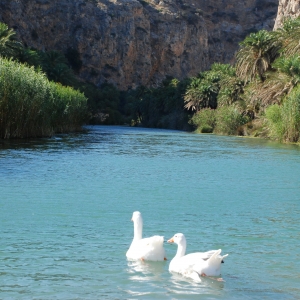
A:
x,y
195,264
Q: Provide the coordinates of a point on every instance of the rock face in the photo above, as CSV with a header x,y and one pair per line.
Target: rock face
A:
x,y
287,8
139,42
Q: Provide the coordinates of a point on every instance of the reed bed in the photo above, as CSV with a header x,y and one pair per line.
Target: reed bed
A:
x,y
284,120
31,106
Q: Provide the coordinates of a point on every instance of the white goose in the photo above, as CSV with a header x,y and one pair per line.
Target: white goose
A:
x,y
195,264
150,249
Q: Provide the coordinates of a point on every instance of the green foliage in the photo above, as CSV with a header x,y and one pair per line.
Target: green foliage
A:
x,y
289,65
204,120
9,44
257,53
104,103
23,95
218,100
288,36
109,103
160,108
203,90
55,65
28,56
231,87
31,106
291,116
69,110
274,120
281,81
73,57
284,121
201,94
214,88
229,119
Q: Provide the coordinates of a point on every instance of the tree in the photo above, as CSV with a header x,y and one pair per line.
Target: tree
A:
x,y
200,94
231,86
288,36
203,90
26,55
280,83
54,64
50,59
8,41
257,53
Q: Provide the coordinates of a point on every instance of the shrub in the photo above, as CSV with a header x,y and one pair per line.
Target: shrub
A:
x,y
204,120
284,121
274,122
228,120
291,117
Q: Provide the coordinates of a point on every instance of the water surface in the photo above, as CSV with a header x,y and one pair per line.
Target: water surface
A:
x,y
66,205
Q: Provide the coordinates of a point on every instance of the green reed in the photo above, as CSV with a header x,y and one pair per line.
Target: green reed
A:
x,y
31,106
284,120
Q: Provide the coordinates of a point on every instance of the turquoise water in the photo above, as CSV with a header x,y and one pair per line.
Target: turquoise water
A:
x,y
66,205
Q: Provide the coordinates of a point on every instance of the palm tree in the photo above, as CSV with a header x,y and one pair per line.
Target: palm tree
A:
x,y
203,90
26,55
280,83
54,64
8,41
231,90
51,59
256,55
201,93
231,86
61,73
289,35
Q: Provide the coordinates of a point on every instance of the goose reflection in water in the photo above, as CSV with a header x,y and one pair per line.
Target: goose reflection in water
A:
x,y
174,284
187,286
143,271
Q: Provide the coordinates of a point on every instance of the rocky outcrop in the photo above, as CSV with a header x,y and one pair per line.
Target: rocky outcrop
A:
x,y
139,42
229,21
287,8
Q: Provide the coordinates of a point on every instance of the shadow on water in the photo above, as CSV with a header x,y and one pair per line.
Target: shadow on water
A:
x,y
118,136
67,140
89,135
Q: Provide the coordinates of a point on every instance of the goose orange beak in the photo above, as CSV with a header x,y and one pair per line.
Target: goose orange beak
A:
x,y
171,240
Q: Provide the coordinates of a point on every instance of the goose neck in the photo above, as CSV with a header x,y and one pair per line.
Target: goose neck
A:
x,y
181,249
138,230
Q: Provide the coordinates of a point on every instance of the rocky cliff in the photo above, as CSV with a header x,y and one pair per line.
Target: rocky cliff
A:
x,y
287,8
139,42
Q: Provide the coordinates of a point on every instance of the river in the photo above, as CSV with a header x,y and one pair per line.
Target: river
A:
x,y
66,204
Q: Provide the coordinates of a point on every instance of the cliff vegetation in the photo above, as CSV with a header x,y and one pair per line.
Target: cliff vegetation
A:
x,y
258,95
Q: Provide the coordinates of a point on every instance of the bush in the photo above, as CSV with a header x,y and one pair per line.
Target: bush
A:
x,y
204,120
228,120
284,121
291,116
274,122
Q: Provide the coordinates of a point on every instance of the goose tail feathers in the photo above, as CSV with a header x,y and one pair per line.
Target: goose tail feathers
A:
x,y
216,258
